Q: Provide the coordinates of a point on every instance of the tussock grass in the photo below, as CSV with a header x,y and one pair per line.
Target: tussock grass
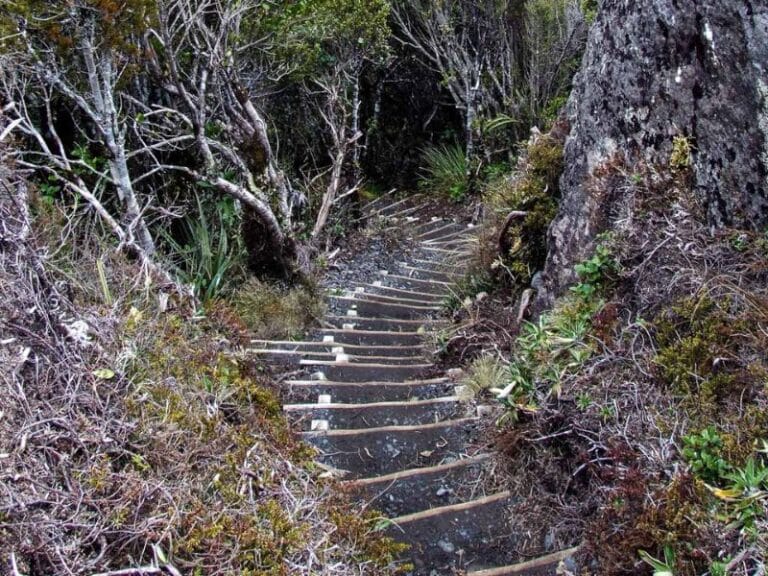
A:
x,y
444,170
275,311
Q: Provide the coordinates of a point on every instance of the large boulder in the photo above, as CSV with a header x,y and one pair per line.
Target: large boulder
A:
x,y
653,71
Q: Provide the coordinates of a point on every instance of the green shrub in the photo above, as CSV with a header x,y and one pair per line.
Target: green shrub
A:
x,y
534,190
444,170
596,273
589,8
703,452
208,253
485,373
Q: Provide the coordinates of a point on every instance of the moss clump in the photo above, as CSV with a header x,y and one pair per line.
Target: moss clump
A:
x,y
681,157
363,528
535,191
275,311
702,351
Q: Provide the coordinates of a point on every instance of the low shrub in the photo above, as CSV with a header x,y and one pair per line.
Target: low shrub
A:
x,y
444,170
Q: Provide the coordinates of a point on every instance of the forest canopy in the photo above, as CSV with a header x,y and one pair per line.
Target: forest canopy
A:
x,y
150,110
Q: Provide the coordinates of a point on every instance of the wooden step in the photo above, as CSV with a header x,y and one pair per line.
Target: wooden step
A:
x,y
394,206
425,274
360,392
420,489
543,566
333,347
452,243
378,287
297,356
379,201
436,229
375,337
431,286
432,226
376,451
364,293
459,536
397,310
456,270
375,414
374,324
461,232
405,212
359,372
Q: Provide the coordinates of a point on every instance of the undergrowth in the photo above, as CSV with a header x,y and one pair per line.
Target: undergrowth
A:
x,y
132,437
444,170
275,311
636,410
532,191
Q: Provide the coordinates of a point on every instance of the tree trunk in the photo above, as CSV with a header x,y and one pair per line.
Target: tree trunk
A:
x,y
330,192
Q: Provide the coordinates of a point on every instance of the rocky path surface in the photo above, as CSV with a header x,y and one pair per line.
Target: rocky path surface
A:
x,y
363,390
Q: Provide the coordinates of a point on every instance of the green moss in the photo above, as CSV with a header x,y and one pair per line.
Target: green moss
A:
x,y
697,339
589,8
680,159
381,550
534,191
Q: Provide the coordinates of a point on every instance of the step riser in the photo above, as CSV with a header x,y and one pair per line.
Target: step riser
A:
x,y
375,453
440,231
368,392
318,347
480,532
369,337
374,296
361,373
422,274
399,281
415,493
297,357
458,244
542,566
438,265
433,299
381,324
394,207
374,417
462,234
371,309
426,230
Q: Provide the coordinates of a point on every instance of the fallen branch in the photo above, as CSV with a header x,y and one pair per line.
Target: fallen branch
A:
x,y
502,241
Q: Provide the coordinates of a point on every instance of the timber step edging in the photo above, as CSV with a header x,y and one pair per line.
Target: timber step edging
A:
x,y
300,356
419,489
463,536
362,453
329,416
548,565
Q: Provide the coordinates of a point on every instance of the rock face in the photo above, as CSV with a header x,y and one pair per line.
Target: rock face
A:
x,y
654,70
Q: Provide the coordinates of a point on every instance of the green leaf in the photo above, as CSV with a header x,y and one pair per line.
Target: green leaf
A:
x,y
104,373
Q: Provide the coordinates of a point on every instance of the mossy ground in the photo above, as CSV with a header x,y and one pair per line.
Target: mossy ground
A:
x,y
675,343
155,440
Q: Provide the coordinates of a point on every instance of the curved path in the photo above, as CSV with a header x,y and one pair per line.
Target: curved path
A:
x,y
398,435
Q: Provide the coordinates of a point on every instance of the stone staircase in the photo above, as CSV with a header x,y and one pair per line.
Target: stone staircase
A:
x,y
365,393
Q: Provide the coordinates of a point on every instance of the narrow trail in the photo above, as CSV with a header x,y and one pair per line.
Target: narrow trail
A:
x,y
387,423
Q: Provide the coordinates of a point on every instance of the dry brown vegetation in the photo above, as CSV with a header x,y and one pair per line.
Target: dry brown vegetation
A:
x,y
131,438
674,344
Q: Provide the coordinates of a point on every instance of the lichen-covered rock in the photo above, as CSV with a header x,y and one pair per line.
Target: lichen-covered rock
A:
x,y
654,71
